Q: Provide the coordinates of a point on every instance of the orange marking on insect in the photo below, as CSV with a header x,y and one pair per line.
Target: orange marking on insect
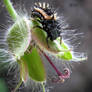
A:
x,y
43,13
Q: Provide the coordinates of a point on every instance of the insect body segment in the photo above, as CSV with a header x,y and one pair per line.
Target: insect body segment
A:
x,y
48,19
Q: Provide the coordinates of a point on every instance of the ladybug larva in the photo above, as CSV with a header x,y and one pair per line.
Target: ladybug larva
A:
x,y
49,20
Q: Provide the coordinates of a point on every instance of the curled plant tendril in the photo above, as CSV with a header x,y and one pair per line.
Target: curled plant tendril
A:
x,y
61,76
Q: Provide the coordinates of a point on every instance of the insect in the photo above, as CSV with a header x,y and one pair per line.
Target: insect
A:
x,y
48,19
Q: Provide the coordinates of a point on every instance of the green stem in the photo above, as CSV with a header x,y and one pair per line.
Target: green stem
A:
x,y
17,87
10,9
43,87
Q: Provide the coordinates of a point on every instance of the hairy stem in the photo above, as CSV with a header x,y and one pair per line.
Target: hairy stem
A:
x,y
10,9
17,87
61,75
43,87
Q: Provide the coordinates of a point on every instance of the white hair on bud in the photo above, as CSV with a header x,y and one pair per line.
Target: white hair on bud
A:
x,y
34,86
6,56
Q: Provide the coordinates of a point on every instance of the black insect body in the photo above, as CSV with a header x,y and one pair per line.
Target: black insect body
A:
x,y
48,20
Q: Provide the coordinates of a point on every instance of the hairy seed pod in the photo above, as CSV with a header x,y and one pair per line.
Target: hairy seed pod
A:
x,y
19,36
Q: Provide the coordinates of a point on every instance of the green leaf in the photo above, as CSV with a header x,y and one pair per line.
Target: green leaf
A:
x,y
35,65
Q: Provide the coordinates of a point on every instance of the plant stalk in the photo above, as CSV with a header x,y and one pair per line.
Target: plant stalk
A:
x,y
61,75
17,87
43,87
12,12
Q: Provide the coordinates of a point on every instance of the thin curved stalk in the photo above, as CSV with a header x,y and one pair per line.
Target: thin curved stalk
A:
x,y
17,87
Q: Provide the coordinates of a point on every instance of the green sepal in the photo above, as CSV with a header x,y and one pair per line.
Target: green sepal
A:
x,y
23,70
35,65
65,55
34,23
